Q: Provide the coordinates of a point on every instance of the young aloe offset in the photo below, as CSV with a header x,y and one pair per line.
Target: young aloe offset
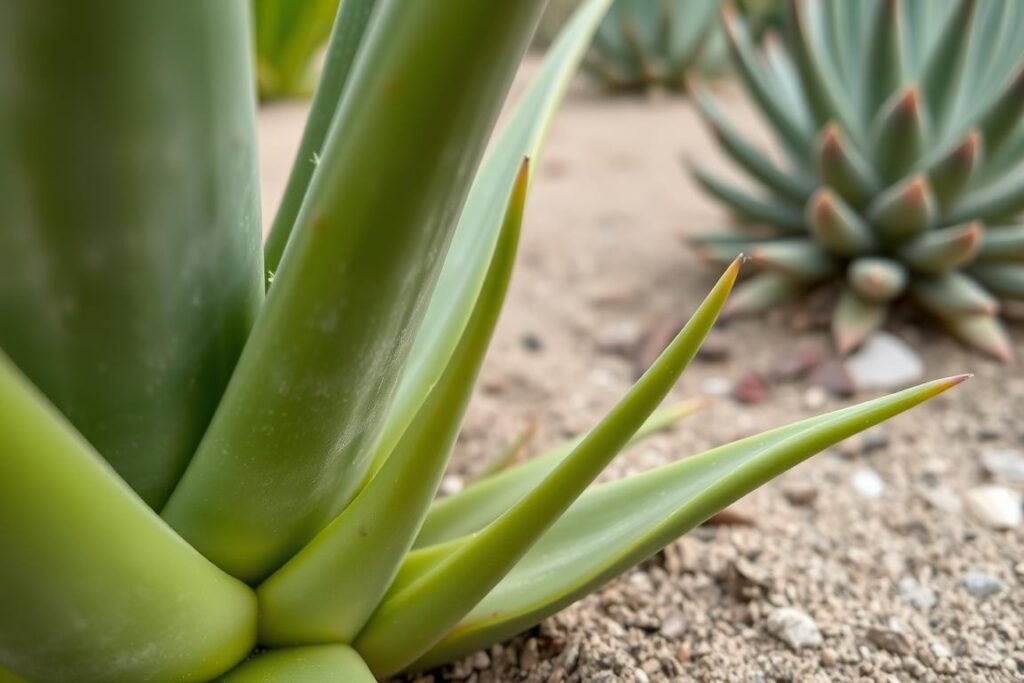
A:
x,y
220,466
904,168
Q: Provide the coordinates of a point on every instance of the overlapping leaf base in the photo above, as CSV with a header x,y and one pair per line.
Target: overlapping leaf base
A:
x,y
904,162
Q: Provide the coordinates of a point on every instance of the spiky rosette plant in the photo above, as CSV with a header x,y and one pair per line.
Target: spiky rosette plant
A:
x,y
644,44
210,474
904,162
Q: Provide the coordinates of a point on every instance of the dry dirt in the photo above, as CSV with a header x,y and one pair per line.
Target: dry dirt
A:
x,y
604,269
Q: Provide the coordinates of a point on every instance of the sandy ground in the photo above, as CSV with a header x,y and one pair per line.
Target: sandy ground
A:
x,y
604,271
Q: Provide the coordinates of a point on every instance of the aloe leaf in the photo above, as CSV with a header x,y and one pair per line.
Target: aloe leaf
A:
x,y
953,294
323,359
1002,243
904,210
411,620
938,251
844,168
999,199
804,260
721,249
326,592
616,525
288,35
774,212
81,548
787,79
953,171
837,226
791,185
877,278
943,73
1004,279
309,664
7,676
883,66
762,291
483,501
983,332
477,232
342,48
128,307
1003,116
898,135
854,319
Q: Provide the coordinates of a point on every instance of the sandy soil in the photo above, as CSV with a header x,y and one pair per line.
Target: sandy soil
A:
x,y
604,272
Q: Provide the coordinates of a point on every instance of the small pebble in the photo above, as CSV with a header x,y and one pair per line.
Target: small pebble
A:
x,y
868,483
1004,464
997,507
751,389
794,628
834,378
716,386
884,362
800,493
815,398
890,639
916,595
982,584
673,626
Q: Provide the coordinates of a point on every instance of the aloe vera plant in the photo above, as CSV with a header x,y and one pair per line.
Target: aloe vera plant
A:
x,y
219,462
289,36
903,168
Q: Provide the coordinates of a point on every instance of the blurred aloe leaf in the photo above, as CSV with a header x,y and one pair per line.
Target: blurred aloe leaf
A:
x,y
308,664
288,35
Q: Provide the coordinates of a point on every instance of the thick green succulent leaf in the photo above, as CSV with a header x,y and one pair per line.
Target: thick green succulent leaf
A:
x,y
952,172
762,291
320,367
943,74
997,200
483,501
907,209
774,212
837,226
983,332
412,619
899,135
1002,243
1003,116
938,251
477,232
854,319
7,676
953,294
347,35
309,664
877,279
844,168
792,132
786,77
616,525
129,218
1004,279
329,589
721,249
804,260
94,587
288,35
883,70
792,185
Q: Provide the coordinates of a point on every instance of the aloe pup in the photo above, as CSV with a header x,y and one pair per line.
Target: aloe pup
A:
x,y
220,463
902,169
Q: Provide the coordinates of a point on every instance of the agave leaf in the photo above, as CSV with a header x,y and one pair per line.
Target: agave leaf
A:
x,y
943,73
899,135
616,525
844,169
854,319
130,218
326,592
877,279
1002,243
904,210
938,251
323,359
983,332
133,583
762,291
883,69
477,232
837,226
411,620
342,49
309,664
953,171
953,294
803,260
483,501
1000,199
789,184
792,132
1004,279
776,213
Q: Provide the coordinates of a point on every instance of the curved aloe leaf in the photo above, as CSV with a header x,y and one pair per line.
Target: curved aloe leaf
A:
x,y
288,34
953,294
938,251
128,307
107,594
854,319
773,212
762,291
342,49
614,526
412,619
477,231
328,590
310,664
883,69
320,367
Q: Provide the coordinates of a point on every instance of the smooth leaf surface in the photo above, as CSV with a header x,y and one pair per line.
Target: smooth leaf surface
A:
x,y
310,664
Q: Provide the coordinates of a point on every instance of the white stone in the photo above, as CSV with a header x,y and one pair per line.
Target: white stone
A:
x,y
1006,464
982,584
994,506
867,483
884,362
793,627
